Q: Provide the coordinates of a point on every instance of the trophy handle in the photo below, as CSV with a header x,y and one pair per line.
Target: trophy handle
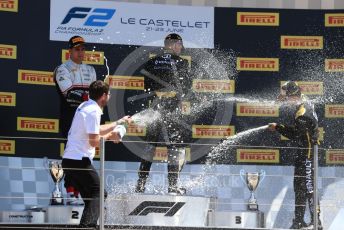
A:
x,y
262,175
243,176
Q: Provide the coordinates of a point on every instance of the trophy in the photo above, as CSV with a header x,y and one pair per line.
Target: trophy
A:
x,y
56,172
252,180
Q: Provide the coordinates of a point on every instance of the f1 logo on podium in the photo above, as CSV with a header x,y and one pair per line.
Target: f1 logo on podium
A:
x,y
99,16
146,207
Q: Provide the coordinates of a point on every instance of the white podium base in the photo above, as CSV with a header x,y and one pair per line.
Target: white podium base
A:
x,y
236,219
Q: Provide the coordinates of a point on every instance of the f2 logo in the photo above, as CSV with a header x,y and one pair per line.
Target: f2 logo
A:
x,y
238,220
99,16
146,207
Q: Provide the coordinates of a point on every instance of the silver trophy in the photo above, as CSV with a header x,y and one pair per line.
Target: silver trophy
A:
x,y
252,180
56,172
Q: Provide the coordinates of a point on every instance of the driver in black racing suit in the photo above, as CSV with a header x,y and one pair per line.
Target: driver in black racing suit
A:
x,y
304,132
166,75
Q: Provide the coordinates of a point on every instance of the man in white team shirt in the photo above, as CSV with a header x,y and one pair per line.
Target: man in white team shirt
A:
x,y
83,137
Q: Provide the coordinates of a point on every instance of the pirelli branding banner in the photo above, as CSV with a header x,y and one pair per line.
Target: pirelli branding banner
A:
x,y
91,57
302,42
257,64
334,65
334,20
257,19
161,154
310,87
256,110
136,130
334,111
37,124
126,82
8,51
267,156
213,86
7,146
335,156
212,131
9,5
35,77
7,99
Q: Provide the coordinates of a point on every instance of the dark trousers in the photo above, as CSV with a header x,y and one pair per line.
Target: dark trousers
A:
x,y
86,180
304,184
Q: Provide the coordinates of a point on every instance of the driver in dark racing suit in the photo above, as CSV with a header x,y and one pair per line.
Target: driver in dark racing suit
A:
x,y
166,75
305,133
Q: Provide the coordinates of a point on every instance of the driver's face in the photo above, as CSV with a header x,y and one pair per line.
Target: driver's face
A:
x,y
77,54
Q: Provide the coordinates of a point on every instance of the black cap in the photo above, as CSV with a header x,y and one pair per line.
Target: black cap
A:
x,y
291,88
76,41
173,38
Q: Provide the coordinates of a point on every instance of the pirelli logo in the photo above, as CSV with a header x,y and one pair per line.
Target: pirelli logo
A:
x,y
334,20
37,124
267,156
35,77
8,51
136,130
310,87
7,146
257,19
212,131
160,154
213,86
257,64
7,99
321,135
9,5
126,82
302,42
335,156
91,57
334,65
334,111
186,57
256,110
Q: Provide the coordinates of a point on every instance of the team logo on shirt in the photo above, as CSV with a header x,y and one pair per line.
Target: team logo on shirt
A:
x,y
334,65
8,51
256,110
257,64
212,131
334,20
334,111
213,86
91,57
9,5
310,87
186,57
37,124
321,135
302,42
7,146
126,82
257,19
258,156
35,77
335,156
7,99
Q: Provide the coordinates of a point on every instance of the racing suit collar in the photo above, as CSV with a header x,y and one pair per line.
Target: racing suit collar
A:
x,y
73,64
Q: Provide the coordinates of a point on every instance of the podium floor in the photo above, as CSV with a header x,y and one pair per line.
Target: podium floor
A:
x,y
106,227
